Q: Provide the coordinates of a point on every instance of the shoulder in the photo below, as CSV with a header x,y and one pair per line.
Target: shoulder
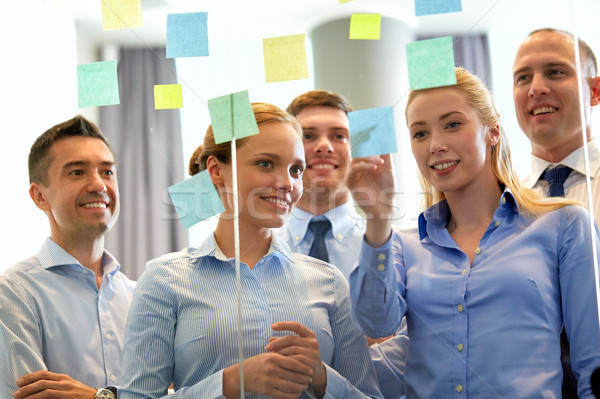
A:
x,y
316,268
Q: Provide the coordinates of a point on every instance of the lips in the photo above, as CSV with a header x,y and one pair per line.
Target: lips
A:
x,y
95,205
277,201
444,165
322,164
540,110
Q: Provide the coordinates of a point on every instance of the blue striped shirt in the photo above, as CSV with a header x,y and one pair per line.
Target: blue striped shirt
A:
x,y
490,330
182,326
53,317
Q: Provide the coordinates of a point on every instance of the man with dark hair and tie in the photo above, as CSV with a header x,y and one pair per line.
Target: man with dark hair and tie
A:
x,y
324,224
546,97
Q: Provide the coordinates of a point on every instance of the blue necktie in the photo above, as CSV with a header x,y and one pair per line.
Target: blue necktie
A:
x,y
556,178
318,249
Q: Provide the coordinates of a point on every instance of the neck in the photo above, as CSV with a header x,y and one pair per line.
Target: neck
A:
x,y
87,252
473,210
558,153
318,200
253,244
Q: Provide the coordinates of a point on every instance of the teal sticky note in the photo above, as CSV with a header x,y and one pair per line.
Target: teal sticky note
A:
x,y
231,116
372,132
97,84
187,35
195,199
430,63
429,7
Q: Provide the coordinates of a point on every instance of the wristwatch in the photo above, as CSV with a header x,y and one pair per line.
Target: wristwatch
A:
x,y
106,393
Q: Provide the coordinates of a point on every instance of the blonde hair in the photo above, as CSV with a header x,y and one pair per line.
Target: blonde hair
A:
x,y
479,97
263,113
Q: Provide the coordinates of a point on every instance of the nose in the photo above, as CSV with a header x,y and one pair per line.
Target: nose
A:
x,y
96,183
538,86
437,143
323,145
285,182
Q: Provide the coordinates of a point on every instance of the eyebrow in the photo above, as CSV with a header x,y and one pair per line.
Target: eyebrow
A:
x,y
85,163
545,65
442,117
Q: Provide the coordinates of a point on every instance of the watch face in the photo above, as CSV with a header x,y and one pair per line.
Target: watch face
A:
x,y
104,393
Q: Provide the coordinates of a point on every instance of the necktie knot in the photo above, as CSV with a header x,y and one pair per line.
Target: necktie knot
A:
x,y
556,178
318,249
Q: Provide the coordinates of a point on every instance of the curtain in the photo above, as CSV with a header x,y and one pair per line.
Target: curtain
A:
x,y
148,151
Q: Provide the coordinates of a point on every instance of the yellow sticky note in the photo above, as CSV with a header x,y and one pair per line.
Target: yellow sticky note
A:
x,y
365,27
285,58
344,1
120,14
167,96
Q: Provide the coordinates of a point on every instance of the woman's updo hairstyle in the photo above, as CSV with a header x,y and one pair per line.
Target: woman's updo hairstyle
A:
x,y
263,112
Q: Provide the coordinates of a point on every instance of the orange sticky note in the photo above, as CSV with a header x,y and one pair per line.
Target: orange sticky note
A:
x,y
365,26
285,58
121,14
167,96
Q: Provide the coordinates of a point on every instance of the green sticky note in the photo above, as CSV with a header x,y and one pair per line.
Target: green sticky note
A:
x,y
167,96
285,58
365,26
97,84
429,7
120,14
195,199
231,116
372,132
430,63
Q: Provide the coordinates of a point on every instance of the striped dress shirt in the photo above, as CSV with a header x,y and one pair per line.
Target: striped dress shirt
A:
x,y
53,317
182,326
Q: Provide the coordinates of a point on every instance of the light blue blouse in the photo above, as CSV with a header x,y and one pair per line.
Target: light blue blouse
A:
x,y
490,330
182,326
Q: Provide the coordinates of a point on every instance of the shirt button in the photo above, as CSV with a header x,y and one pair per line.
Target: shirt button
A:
x,y
497,223
460,347
477,251
113,378
380,267
297,238
459,388
460,308
463,272
503,201
339,236
107,336
381,257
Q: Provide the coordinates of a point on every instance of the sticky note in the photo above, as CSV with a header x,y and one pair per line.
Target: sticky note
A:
x,y
285,58
428,7
365,26
344,1
121,14
167,96
187,35
231,116
430,63
97,84
195,199
372,132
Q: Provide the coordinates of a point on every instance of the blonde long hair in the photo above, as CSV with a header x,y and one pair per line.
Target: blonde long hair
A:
x,y
479,97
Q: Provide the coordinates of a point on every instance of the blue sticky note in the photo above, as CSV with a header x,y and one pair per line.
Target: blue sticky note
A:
x,y
372,132
430,63
231,116
429,7
97,84
187,35
195,199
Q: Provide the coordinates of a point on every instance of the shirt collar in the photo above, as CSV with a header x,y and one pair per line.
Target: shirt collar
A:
x,y
342,219
575,161
53,255
437,214
209,247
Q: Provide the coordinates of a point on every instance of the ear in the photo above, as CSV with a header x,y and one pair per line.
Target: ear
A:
x,y
215,170
595,91
493,135
38,196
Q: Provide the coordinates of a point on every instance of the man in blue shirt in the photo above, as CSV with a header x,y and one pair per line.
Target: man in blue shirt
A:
x,y
63,310
327,200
